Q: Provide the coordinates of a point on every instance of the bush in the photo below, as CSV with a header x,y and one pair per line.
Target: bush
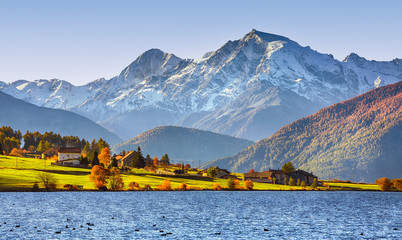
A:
x,y
69,187
134,186
314,184
217,187
148,188
298,182
35,187
183,187
397,183
249,185
115,179
99,175
232,183
384,184
48,180
212,172
166,186
292,182
16,152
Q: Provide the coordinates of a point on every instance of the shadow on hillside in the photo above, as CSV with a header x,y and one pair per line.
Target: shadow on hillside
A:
x,y
77,173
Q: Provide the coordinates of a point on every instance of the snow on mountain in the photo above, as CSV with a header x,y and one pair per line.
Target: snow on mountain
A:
x,y
247,88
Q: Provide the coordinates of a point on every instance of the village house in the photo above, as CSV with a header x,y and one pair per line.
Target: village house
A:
x,y
308,178
280,176
262,177
220,173
49,153
126,160
267,176
68,156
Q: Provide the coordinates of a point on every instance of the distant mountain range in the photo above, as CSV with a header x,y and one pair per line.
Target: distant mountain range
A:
x,y
184,144
25,116
248,88
359,139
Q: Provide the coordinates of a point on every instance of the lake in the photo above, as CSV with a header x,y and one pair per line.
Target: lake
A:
x,y
201,215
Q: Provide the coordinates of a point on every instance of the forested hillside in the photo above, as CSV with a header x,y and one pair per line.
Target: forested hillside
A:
x,y
359,139
184,144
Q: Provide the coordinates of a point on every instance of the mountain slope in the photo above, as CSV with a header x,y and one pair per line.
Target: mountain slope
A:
x,y
184,144
359,139
262,79
25,116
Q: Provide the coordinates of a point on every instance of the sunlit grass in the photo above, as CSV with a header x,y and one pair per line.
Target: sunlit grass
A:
x,y
353,186
21,173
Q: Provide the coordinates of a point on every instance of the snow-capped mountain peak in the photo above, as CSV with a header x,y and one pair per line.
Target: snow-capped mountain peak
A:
x,y
247,88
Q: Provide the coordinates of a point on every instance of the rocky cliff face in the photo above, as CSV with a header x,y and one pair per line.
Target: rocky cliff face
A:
x,y
248,88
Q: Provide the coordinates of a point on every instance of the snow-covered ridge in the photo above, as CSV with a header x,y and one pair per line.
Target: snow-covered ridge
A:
x,y
189,89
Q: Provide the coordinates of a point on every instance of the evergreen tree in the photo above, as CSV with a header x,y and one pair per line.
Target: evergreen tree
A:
x,y
138,160
41,147
148,160
84,160
28,140
288,167
95,160
94,146
113,163
298,182
87,148
102,144
46,146
165,160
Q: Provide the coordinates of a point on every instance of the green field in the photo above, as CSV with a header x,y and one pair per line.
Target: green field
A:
x,y
21,174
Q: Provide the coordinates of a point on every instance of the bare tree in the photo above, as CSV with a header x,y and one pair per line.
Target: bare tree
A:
x,y
48,180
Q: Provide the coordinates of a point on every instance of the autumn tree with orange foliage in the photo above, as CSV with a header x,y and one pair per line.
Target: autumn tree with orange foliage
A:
x,y
187,166
217,187
16,152
104,156
99,176
183,187
251,171
233,184
134,186
249,185
156,161
397,183
115,180
384,183
166,186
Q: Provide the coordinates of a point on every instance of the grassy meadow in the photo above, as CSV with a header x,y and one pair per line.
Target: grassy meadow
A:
x,y
19,174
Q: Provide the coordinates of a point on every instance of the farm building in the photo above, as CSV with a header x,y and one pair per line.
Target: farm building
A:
x,y
68,156
267,176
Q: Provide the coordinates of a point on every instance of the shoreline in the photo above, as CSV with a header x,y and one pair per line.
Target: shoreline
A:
x,y
202,190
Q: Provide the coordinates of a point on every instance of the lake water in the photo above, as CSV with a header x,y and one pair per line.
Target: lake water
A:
x,y
201,215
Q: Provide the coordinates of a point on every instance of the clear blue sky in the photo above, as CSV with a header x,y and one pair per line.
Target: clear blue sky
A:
x,y
80,41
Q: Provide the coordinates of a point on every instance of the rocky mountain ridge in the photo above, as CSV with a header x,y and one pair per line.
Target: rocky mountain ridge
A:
x,y
248,88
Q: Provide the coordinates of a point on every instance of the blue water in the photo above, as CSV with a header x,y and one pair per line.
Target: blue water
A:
x,y
201,215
